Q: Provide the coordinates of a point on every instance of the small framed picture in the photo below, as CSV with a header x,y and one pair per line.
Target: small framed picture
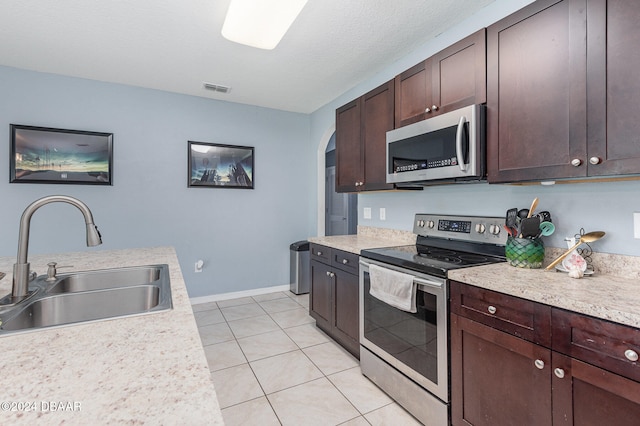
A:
x,y
47,155
220,166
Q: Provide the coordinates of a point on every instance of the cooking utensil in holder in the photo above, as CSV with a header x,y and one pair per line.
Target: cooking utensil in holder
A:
x,y
525,252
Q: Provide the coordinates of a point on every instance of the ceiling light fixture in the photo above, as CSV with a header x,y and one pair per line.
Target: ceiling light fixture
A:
x,y
260,23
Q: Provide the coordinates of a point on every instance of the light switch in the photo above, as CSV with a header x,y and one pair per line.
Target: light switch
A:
x,y
367,212
383,213
636,225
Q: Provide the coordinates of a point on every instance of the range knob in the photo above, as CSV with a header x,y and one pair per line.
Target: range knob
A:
x,y
480,228
421,223
494,229
430,224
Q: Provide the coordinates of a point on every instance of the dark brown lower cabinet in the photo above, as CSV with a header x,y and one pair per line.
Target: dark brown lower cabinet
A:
x,y
494,377
584,394
587,375
333,297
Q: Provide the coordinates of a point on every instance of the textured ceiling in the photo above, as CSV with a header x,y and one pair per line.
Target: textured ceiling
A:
x,y
175,45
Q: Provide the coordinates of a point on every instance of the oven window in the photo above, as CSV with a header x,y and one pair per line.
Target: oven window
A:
x,y
410,338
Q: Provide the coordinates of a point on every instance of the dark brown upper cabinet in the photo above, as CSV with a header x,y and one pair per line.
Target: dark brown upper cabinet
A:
x,y
613,87
562,91
451,79
361,141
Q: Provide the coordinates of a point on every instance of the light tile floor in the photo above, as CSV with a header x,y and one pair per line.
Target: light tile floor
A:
x,y
272,366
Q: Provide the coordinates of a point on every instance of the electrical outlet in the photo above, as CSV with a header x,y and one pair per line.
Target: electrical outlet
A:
x,y
383,213
636,225
367,212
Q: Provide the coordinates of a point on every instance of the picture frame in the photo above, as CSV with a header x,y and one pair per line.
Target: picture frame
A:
x,y
60,156
214,165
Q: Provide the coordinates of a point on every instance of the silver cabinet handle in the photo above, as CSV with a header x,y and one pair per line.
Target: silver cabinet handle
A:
x,y
319,253
576,162
345,261
330,274
459,153
559,372
427,110
595,160
434,107
492,310
539,364
631,355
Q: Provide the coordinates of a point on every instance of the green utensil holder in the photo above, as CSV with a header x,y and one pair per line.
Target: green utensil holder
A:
x,y
525,252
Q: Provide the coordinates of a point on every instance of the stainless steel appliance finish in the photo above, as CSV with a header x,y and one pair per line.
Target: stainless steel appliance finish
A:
x,y
299,268
404,353
450,146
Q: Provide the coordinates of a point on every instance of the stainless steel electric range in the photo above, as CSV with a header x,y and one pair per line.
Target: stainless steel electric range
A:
x,y
405,352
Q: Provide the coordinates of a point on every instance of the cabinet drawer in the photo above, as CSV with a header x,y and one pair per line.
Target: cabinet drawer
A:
x,y
611,346
345,261
320,253
522,318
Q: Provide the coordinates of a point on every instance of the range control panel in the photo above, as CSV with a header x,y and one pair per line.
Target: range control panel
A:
x,y
465,228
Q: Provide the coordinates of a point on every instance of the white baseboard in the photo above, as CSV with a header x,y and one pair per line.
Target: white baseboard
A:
x,y
238,294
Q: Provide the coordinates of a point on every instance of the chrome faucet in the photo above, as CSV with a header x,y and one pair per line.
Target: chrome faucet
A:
x,y
21,272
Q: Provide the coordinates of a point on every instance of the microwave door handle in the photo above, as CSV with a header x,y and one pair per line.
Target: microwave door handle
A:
x,y
459,135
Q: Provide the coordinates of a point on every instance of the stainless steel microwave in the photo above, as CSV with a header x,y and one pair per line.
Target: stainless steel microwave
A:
x,y
448,147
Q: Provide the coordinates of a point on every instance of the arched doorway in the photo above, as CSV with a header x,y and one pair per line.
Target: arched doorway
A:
x,y
341,210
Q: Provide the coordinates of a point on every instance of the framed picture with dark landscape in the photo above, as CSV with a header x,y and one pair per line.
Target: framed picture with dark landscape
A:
x,y
47,155
220,166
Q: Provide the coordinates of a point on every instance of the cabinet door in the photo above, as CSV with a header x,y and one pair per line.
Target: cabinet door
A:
x,y
497,379
377,120
347,311
613,87
348,147
460,74
536,93
413,98
321,295
586,395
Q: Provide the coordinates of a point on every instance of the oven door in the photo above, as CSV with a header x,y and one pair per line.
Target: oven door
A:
x,y
416,344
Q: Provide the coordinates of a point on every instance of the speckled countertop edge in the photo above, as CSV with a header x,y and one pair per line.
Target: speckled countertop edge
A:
x,y
145,369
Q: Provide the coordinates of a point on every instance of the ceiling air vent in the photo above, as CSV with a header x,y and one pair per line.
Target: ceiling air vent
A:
x,y
217,87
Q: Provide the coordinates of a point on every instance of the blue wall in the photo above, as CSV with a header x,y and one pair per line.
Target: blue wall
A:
x,y
243,236
593,206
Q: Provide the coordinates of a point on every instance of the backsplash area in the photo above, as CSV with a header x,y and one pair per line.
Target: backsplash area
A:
x,y
602,263
602,206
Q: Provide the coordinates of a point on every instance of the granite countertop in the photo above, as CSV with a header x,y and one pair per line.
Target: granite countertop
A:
x,y
367,238
605,296
612,293
144,369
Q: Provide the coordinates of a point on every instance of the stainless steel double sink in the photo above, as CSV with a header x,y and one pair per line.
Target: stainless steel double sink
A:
x,y
90,296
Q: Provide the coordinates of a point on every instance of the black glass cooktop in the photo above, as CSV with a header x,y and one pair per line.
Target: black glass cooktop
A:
x,y
435,259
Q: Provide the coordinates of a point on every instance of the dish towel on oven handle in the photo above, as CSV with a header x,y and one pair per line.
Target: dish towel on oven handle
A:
x,y
393,288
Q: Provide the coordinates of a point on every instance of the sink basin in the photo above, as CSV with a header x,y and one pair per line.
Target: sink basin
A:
x,y
91,296
107,278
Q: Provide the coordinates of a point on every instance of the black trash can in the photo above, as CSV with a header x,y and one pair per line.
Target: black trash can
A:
x,y
299,271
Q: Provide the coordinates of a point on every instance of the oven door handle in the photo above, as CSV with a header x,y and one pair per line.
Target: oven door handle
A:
x,y
419,281
427,283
